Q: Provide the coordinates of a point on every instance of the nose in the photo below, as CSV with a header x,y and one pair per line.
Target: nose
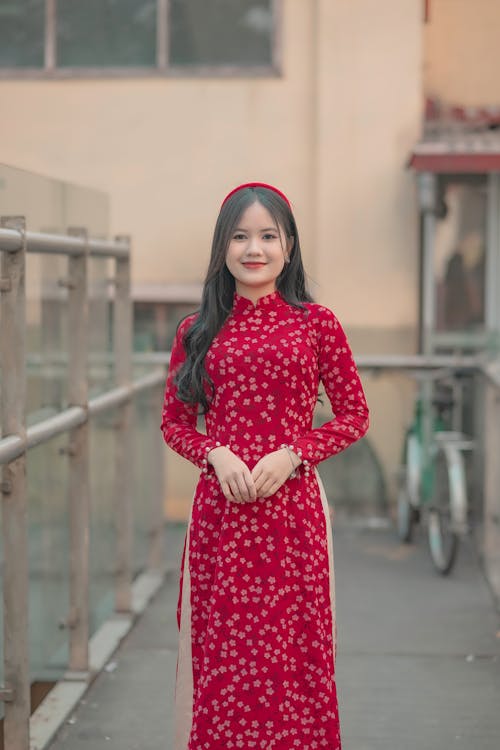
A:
x,y
253,246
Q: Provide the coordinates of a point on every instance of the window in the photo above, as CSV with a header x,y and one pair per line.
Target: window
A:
x,y
460,245
220,32
134,37
22,33
111,33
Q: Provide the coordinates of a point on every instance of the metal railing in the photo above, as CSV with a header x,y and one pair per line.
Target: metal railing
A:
x,y
17,439
485,368
486,371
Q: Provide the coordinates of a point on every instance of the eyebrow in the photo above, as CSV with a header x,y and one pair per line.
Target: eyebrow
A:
x,y
267,229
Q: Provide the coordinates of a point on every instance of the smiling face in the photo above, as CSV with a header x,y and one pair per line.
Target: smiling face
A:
x,y
256,253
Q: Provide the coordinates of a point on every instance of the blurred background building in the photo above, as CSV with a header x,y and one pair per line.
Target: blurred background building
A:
x,y
164,105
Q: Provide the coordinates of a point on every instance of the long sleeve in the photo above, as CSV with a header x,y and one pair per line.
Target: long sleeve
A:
x,y
179,419
342,384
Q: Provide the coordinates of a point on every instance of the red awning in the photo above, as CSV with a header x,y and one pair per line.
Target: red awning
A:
x,y
458,151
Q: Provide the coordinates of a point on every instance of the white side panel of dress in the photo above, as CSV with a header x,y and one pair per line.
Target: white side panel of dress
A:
x,y
184,688
329,537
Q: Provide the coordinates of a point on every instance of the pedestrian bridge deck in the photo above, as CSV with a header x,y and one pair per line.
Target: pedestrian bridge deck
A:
x,y
418,661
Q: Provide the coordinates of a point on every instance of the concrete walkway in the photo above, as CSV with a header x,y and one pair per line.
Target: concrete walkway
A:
x,y
418,664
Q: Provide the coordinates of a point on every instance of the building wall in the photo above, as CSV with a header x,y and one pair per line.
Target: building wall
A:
x,y
462,51
334,131
167,150
369,116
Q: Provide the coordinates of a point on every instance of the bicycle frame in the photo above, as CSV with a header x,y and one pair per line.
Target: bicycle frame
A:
x,y
434,472
425,425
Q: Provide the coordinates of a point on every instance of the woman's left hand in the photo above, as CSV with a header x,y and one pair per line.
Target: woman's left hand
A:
x,y
271,471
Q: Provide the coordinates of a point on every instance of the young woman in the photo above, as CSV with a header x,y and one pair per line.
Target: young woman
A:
x,y
256,610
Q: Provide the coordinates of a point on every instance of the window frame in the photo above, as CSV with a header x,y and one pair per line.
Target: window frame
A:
x,y
162,69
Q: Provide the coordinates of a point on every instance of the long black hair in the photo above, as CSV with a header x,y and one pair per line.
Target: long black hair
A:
x,y
219,287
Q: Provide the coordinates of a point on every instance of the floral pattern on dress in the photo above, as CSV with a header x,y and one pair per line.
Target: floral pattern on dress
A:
x,y
261,619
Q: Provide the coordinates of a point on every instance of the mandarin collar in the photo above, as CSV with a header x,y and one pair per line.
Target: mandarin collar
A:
x,y
267,302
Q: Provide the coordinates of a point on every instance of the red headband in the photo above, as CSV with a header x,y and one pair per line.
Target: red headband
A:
x,y
257,184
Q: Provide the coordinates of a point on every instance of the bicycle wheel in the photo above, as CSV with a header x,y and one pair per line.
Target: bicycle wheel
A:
x,y
448,508
408,495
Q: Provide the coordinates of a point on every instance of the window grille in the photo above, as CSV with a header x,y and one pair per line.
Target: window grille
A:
x,y
64,38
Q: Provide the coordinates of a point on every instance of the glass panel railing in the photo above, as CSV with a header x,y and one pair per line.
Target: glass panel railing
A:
x,y
101,370
46,336
53,206
48,561
49,555
103,436
145,433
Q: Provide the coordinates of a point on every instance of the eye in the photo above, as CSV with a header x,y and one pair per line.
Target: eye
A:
x,y
269,236
239,236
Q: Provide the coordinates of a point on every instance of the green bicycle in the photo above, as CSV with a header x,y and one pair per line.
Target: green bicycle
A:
x,y
433,478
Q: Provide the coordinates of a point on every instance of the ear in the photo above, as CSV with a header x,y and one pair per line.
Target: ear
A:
x,y
289,245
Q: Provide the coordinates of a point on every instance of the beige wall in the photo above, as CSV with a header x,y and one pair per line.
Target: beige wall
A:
x,y
168,150
369,116
462,52
334,131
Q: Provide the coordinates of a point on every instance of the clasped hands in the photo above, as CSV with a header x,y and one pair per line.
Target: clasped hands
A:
x,y
240,485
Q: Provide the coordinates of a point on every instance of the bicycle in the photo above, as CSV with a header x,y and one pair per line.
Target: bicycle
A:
x,y
433,475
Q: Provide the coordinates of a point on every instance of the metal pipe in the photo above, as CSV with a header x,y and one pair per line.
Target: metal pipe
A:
x,y
110,400
119,395
79,460
13,446
50,46
152,358
150,380
428,198
16,691
162,35
103,359
52,426
61,244
416,362
373,361
492,270
365,361
124,445
491,468
11,240
156,471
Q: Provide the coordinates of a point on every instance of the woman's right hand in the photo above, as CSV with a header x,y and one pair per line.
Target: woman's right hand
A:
x,y
233,474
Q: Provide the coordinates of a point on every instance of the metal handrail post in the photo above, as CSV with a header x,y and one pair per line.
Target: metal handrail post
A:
x,y
491,533
428,198
157,473
122,334
78,453
16,691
